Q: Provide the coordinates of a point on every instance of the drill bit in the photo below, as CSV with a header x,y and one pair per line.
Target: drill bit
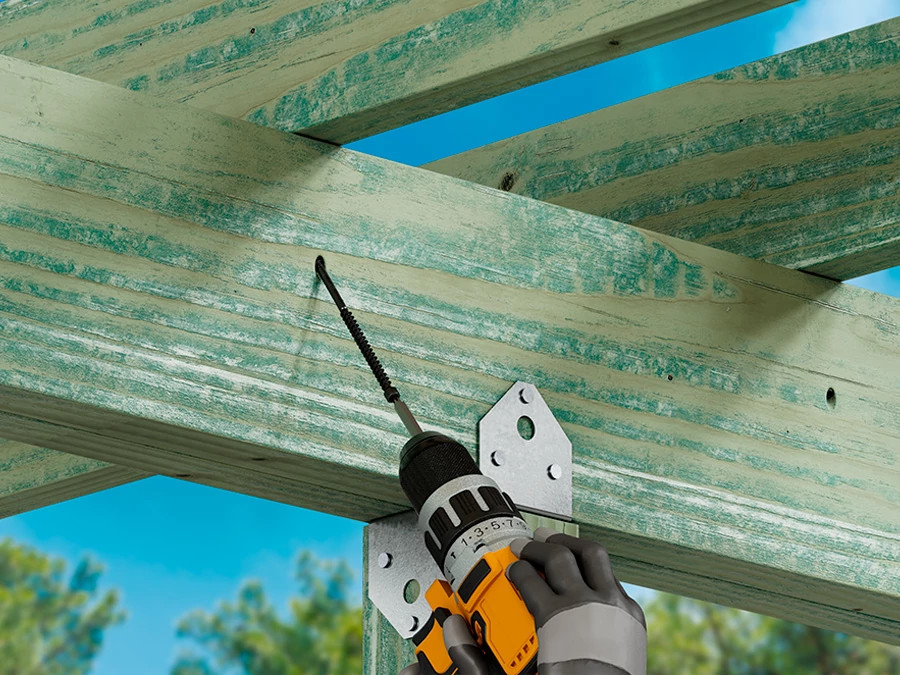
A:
x,y
390,392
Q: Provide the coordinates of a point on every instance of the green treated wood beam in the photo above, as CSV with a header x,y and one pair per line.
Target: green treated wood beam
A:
x,y
303,69
338,70
793,159
806,180
158,310
31,478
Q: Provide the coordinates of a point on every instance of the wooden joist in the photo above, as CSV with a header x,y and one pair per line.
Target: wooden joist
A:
x,y
793,159
334,71
158,310
34,477
340,71
806,180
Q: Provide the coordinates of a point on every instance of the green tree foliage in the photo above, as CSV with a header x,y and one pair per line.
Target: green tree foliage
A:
x,y
688,636
50,625
322,634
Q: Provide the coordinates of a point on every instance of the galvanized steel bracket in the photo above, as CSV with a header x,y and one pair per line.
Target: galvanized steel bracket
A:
x,y
398,559
523,448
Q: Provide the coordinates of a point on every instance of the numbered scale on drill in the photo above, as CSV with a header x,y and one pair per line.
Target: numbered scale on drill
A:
x,y
483,536
462,513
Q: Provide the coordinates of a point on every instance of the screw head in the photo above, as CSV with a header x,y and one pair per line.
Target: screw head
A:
x,y
497,458
526,395
385,560
554,472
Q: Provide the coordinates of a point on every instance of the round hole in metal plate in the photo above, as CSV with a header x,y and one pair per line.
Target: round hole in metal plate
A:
x,y
525,427
411,591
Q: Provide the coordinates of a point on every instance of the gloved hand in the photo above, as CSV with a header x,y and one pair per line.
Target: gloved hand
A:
x,y
586,623
464,651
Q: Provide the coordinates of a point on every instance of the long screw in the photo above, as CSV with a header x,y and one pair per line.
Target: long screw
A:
x,y
390,392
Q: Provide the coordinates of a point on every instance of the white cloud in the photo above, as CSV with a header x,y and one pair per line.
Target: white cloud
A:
x,y
815,20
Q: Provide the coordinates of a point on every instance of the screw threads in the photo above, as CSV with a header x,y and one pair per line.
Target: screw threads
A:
x,y
390,393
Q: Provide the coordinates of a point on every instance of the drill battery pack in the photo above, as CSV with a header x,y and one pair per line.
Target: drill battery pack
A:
x,y
484,595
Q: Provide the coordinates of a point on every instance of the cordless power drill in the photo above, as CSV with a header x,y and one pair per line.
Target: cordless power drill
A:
x,y
467,524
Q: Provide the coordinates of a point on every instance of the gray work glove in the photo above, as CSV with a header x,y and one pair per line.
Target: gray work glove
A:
x,y
586,623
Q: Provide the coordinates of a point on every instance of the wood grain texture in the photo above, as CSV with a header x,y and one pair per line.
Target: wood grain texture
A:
x,y
794,159
813,186
31,478
158,310
339,70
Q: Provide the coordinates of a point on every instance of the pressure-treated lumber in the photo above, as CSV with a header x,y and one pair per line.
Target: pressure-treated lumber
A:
x,y
339,70
31,478
793,159
386,653
158,310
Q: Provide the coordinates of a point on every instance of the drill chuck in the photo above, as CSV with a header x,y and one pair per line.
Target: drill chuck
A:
x,y
462,513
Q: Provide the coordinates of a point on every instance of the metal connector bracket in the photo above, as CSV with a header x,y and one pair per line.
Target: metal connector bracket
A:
x,y
524,449
399,564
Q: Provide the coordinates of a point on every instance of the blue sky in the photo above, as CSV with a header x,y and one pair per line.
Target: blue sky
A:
x,y
171,546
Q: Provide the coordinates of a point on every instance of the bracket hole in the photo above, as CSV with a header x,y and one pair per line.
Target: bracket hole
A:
x,y
411,591
830,397
525,427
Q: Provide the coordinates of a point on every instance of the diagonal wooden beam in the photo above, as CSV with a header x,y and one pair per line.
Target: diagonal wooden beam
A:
x,y
158,310
793,159
338,70
31,478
